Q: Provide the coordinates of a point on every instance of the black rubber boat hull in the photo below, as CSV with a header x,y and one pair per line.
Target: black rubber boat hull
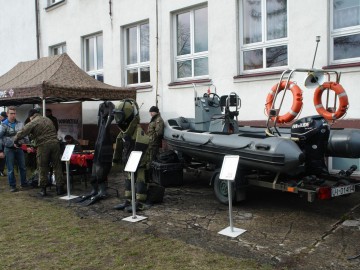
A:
x,y
266,153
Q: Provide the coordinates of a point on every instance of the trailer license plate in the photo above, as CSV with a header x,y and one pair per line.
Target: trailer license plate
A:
x,y
338,191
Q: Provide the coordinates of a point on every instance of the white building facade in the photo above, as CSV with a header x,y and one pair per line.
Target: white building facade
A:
x,y
162,47
169,49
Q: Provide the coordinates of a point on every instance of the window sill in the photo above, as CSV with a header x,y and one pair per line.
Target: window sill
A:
x,y
260,74
189,82
141,88
55,5
349,65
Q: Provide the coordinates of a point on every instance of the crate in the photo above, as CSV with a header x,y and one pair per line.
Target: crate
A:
x,y
167,174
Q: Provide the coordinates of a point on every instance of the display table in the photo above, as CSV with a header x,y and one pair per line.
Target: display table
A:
x,y
81,164
82,159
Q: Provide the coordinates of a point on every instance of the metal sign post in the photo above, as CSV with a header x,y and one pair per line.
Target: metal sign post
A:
x,y
131,166
66,157
228,172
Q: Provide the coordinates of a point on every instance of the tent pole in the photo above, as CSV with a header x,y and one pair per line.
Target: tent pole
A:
x,y
43,105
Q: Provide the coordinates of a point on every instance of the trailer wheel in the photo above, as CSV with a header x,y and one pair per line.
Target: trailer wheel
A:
x,y
221,188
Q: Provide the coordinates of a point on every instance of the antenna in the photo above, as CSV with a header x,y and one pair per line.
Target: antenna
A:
x,y
317,44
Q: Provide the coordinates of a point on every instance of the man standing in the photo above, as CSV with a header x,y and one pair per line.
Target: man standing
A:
x,y
70,140
49,115
8,129
43,133
155,132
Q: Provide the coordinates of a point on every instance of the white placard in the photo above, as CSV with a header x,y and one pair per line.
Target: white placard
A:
x,y
133,161
68,152
229,167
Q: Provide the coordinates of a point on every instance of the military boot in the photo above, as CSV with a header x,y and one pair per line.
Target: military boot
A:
x,y
102,190
139,206
123,205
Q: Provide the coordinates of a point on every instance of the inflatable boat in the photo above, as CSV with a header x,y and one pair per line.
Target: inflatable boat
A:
x,y
302,147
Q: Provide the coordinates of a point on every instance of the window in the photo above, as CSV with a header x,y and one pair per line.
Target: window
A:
x,y
263,35
93,56
58,49
191,43
345,31
51,2
137,45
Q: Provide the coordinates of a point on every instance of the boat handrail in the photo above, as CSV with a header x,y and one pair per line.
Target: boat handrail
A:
x,y
271,126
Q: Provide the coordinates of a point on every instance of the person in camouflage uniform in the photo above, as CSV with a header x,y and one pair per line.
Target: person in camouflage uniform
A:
x,y
131,138
43,133
155,132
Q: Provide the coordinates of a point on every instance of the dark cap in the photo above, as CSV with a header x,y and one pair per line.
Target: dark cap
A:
x,y
3,114
154,109
32,112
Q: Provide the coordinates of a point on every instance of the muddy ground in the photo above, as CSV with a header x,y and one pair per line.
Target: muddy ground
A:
x,y
282,229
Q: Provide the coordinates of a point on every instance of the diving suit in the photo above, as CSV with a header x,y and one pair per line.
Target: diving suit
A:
x,y
103,154
131,138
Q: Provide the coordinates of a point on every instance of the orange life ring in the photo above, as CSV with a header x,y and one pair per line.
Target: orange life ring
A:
x,y
297,101
343,100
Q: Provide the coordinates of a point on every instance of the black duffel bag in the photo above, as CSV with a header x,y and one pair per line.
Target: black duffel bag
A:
x,y
168,156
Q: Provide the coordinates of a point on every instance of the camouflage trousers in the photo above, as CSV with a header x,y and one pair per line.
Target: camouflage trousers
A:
x,y
46,154
154,151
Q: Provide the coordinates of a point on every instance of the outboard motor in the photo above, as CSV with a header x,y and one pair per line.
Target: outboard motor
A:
x,y
313,134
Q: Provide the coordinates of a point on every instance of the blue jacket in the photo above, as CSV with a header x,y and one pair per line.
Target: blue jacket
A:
x,y
7,133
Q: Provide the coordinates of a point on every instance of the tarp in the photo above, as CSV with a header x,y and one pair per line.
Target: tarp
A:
x,y
55,79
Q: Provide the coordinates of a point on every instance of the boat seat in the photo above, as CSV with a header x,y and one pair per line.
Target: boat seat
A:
x,y
182,122
173,123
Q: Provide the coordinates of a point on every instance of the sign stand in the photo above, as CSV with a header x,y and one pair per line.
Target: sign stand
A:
x,y
228,172
131,166
66,157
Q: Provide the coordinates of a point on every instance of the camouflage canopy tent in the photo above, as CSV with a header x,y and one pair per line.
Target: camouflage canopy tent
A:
x,y
55,79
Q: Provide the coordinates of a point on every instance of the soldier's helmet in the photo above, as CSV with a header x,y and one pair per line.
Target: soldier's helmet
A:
x,y
124,112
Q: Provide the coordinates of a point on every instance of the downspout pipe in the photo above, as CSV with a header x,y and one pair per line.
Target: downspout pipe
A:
x,y
37,28
157,55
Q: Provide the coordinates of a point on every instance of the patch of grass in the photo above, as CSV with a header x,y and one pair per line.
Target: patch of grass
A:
x,y
43,234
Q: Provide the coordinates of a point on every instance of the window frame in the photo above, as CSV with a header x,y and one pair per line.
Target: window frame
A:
x,y
60,46
192,56
264,44
54,3
341,32
96,73
138,65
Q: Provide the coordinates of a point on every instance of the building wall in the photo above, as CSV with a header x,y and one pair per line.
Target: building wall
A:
x,y
17,33
73,20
